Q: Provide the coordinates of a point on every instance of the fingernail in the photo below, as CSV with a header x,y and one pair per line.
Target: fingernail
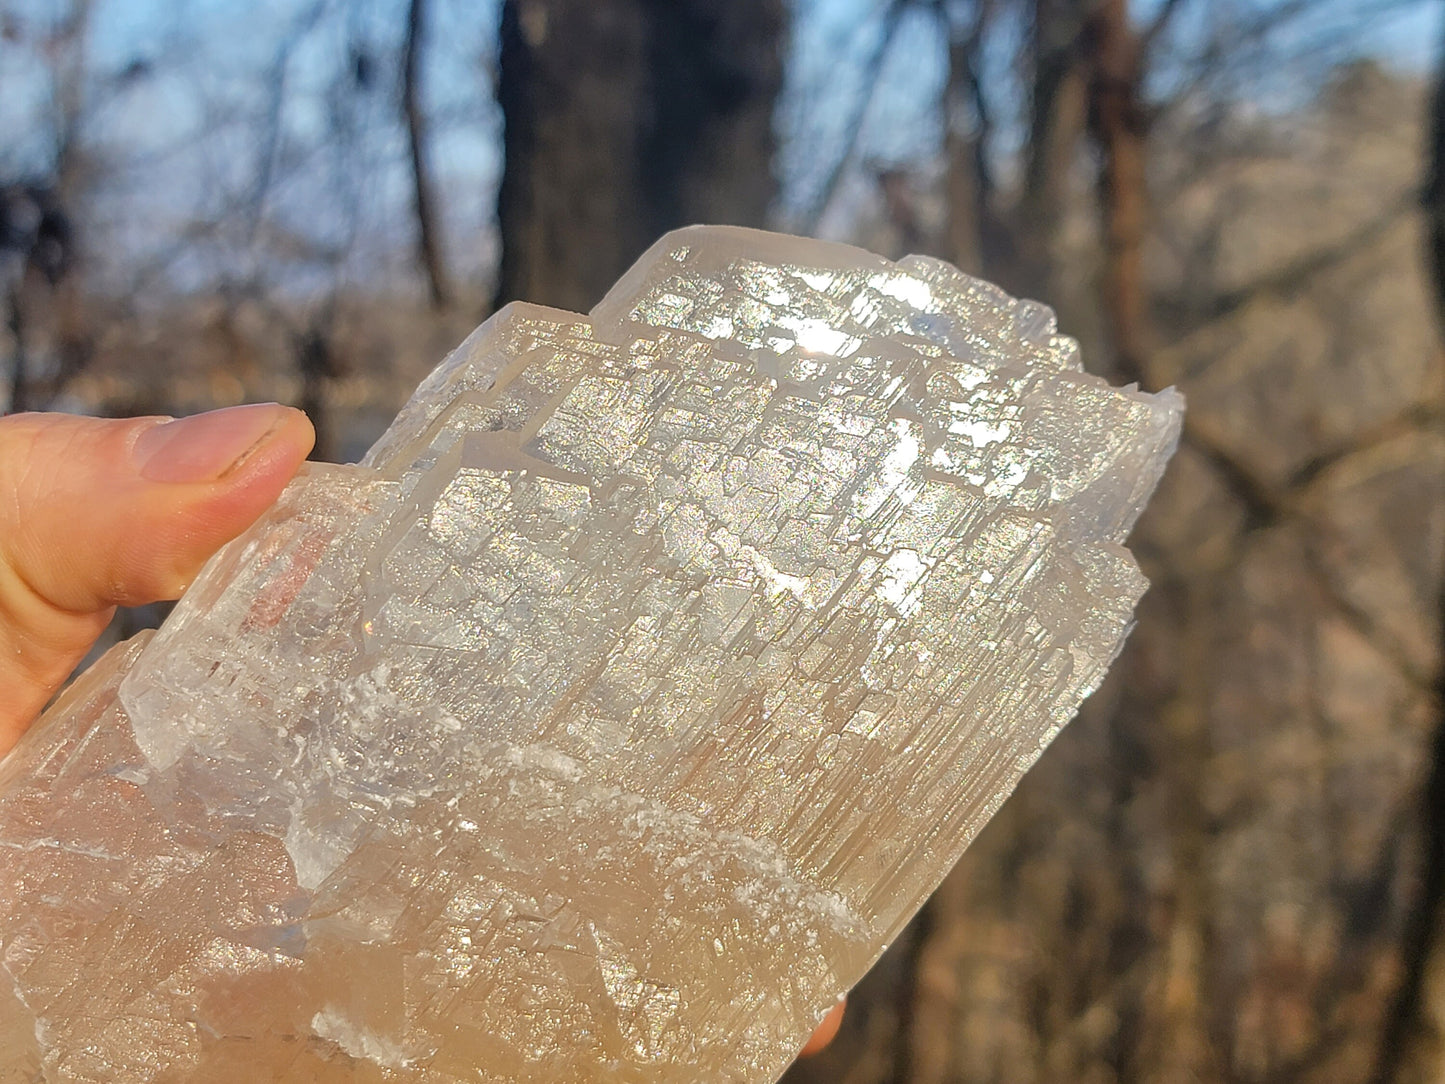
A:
x,y
204,447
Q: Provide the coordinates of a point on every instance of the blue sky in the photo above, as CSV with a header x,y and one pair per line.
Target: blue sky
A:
x,y
180,141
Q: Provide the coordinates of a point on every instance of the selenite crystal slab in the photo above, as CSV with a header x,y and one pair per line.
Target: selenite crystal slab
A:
x,y
611,717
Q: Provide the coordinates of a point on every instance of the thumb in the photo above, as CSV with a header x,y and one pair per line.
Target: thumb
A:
x,y
97,514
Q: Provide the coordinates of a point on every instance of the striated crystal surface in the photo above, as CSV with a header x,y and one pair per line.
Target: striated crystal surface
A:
x,y
610,718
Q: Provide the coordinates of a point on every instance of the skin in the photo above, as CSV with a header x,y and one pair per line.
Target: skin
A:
x,y
84,528
96,514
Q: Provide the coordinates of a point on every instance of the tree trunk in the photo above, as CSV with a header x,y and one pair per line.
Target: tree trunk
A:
x,y
19,400
624,119
968,117
1413,1051
1118,126
424,204
1056,118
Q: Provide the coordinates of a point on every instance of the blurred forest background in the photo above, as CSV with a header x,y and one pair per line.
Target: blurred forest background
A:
x,y
1232,866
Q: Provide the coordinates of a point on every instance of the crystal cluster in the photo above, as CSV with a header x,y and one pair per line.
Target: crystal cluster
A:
x,y
610,718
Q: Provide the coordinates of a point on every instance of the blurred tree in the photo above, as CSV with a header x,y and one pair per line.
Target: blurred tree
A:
x,y
974,229
1232,867
1228,869
429,245
624,119
1117,56
1084,66
38,244
37,251
1414,1048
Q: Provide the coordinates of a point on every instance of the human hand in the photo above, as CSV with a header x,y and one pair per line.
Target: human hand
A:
x,y
825,1033
96,514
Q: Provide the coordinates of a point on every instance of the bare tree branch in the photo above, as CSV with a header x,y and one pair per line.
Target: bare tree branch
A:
x,y
1151,33
1054,124
1413,1027
266,159
872,69
972,187
423,193
19,363
70,93
1297,274
1118,125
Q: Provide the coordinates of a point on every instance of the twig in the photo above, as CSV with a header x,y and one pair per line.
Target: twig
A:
x,y
892,16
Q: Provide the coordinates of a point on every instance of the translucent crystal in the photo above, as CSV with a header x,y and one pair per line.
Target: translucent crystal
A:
x,y
611,717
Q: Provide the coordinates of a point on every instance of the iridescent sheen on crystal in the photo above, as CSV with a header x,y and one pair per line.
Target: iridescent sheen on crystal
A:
x,y
611,717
